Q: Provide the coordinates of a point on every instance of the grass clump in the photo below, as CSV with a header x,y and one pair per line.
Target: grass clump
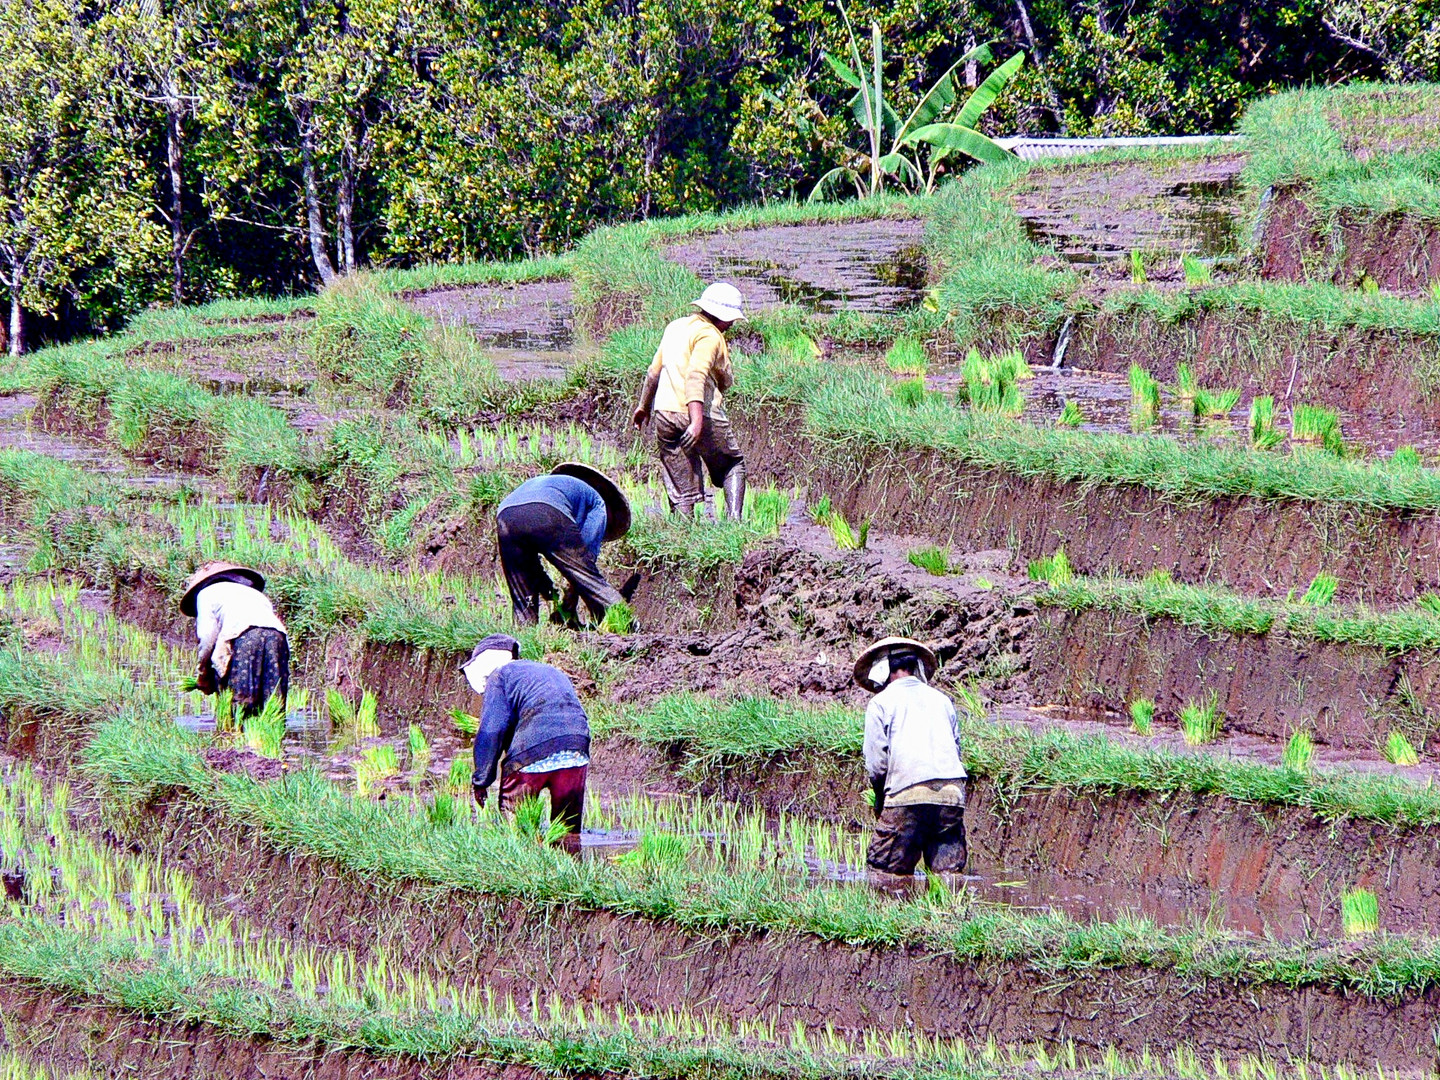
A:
x,y
619,619
1215,403
910,393
991,385
1298,751
1070,415
1321,590
1052,569
1360,912
1399,750
1142,716
1200,721
1263,433
1313,424
376,765
1144,398
907,357
1137,266
1196,272
766,509
264,731
933,560
1406,457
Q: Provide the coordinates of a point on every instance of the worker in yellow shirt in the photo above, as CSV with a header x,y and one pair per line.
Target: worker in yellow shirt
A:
x,y
683,387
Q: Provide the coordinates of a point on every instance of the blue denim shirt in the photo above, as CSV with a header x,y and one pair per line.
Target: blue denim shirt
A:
x,y
574,498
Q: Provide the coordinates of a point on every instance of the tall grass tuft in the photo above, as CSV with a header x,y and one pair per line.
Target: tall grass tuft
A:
x,y
1399,750
910,393
1142,716
1195,271
1070,415
1298,751
1053,569
1321,590
1263,433
1200,721
1144,398
1360,912
907,357
934,560
1315,424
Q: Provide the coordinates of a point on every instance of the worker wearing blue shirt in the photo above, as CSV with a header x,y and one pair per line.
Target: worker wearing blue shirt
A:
x,y
563,517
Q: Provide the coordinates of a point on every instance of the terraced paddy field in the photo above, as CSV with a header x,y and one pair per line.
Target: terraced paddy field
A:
x,y
1168,518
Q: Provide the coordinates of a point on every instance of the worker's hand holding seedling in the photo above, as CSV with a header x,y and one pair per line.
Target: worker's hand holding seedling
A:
x,y
205,678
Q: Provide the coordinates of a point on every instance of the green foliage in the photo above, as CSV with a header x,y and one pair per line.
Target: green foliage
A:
x,y
1052,569
766,509
1200,721
933,560
1142,716
376,765
264,731
1314,424
1185,385
1360,912
1406,457
1398,749
1137,267
1215,403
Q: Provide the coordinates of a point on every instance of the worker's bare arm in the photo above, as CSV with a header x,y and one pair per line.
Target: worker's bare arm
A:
x,y
692,434
647,399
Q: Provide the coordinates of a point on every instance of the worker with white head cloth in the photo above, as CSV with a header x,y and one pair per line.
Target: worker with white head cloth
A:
x,y
533,731
912,754
685,388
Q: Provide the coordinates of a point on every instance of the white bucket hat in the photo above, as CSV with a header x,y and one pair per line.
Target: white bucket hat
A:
x,y
721,300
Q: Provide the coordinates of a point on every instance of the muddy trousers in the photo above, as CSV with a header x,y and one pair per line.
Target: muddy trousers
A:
x,y
531,531
906,833
684,470
259,669
567,797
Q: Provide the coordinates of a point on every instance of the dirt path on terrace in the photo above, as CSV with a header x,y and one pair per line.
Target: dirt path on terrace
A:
x,y
527,328
865,266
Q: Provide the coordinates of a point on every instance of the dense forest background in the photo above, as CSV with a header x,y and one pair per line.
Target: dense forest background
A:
x,y
156,151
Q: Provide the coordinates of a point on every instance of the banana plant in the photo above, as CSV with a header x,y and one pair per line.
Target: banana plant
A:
x,y
867,169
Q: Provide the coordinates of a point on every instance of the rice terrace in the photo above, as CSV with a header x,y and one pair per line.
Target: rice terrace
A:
x,y
890,577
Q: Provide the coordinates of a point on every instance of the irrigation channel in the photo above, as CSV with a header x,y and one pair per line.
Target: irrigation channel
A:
x,y
1159,866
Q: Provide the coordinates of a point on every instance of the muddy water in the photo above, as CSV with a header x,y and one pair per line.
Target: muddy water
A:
x,y
1099,213
865,266
1104,402
527,328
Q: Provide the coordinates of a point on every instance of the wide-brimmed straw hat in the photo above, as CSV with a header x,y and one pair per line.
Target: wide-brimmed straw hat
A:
x,y
211,572
721,301
617,507
893,646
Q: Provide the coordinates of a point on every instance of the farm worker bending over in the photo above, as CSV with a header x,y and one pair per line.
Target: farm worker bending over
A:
x,y
533,717
243,646
690,372
912,753
564,517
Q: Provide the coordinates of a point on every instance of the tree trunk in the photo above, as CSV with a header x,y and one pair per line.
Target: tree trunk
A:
x,y
1055,106
972,69
17,320
314,222
173,151
344,221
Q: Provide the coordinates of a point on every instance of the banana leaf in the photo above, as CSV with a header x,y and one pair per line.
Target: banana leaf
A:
x,y
988,90
963,140
942,94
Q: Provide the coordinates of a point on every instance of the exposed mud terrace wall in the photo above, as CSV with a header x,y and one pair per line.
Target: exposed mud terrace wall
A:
x,y
1400,252
612,959
1382,373
73,1038
1271,685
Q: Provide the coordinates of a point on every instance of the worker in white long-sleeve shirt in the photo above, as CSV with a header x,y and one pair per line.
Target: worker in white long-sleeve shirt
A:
x,y
243,646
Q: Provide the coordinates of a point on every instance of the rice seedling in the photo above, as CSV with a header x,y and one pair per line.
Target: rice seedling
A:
x,y
1321,590
990,385
1368,285
1011,366
457,780
1144,398
443,810
465,722
1215,403
1070,415
1315,424
1399,750
971,703
352,722
619,619
1406,457
1186,386
376,765
1298,751
419,748
1429,602
907,357
265,731
909,393
1200,721
846,537
1360,912
933,560
657,851
766,509
1196,272
1052,569
821,510
1263,433
1142,716
1137,266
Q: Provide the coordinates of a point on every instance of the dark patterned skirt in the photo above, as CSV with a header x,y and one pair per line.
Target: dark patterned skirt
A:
x,y
259,669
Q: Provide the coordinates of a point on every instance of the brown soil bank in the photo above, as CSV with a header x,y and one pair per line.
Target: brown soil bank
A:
x,y
611,959
1348,696
1381,374
1399,252
73,1037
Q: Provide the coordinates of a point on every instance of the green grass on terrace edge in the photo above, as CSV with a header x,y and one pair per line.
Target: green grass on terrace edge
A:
x,y
1292,142
303,813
